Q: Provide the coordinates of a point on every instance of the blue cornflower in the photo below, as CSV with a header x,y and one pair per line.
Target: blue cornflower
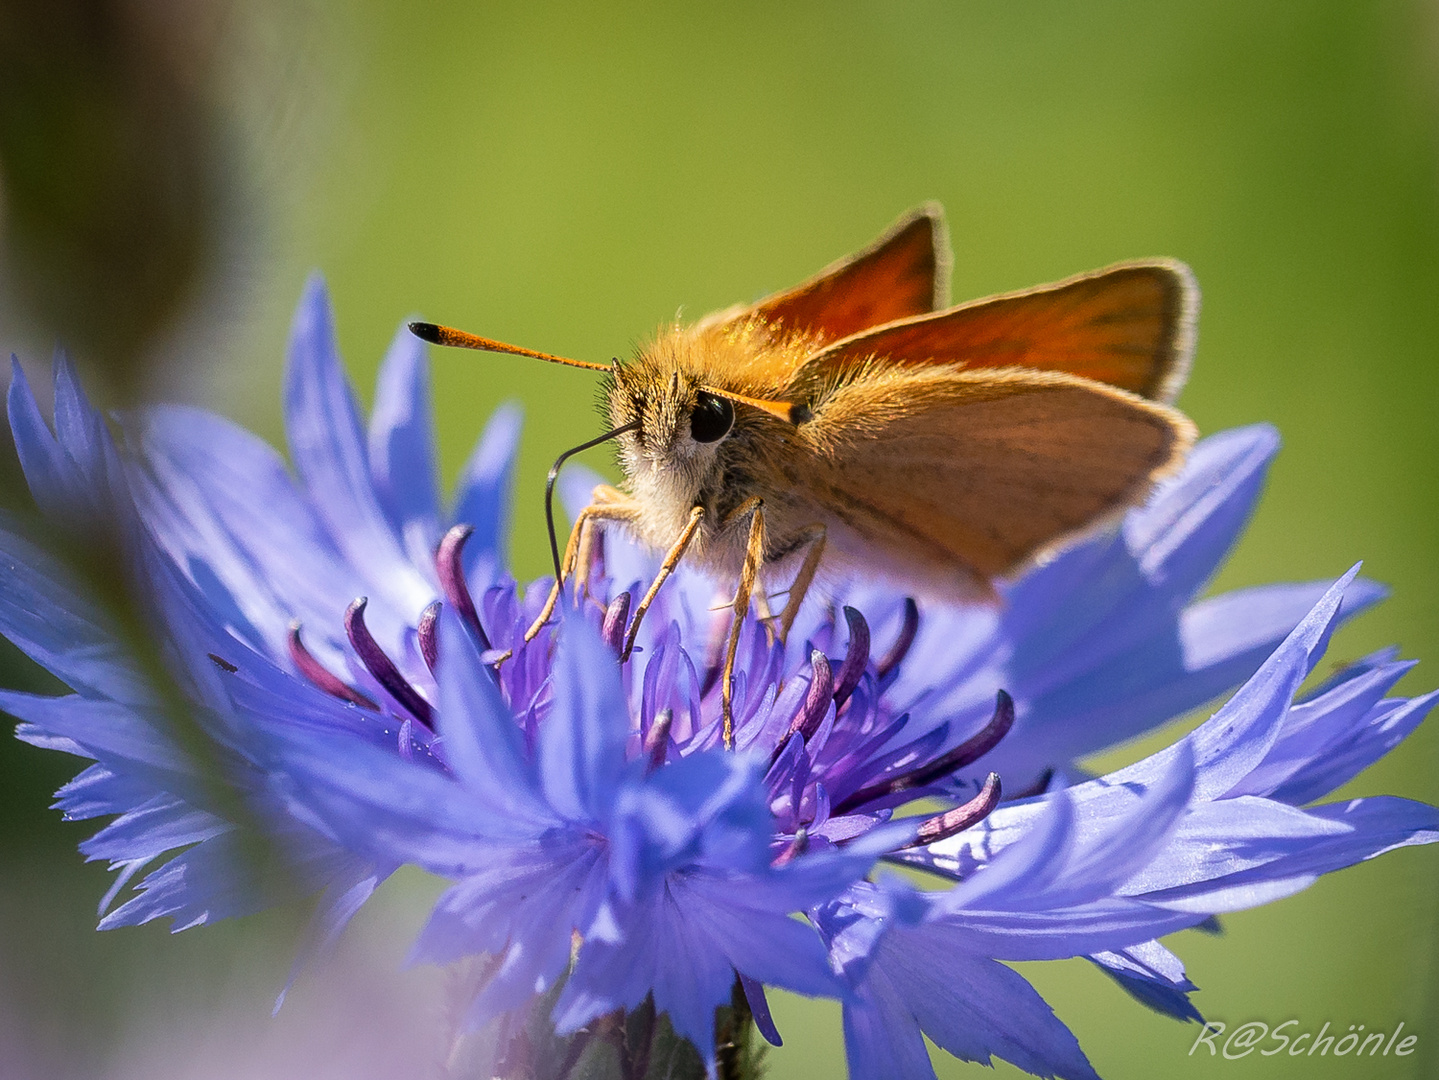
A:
x,y
356,655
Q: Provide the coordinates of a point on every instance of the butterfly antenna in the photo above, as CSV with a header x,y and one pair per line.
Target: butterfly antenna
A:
x,y
550,487
448,335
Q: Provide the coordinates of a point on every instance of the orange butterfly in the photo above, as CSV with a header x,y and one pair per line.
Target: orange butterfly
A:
x,y
858,420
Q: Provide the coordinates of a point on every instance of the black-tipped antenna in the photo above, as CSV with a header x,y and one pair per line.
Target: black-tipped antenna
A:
x,y
459,339
550,489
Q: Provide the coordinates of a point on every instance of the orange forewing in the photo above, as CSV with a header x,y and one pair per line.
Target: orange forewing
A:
x,y
903,273
1130,326
940,469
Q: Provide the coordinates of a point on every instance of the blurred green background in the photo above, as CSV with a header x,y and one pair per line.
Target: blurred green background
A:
x,y
567,176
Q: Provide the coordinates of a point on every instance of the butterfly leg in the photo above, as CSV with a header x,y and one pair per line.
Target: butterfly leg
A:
x,y
749,570
814,537
626,510
603,495
676,553
765,614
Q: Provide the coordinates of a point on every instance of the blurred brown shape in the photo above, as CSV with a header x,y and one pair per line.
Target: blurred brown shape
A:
x,y
113,180
109,168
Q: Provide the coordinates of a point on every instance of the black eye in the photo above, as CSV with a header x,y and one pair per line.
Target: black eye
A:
x,y
712,418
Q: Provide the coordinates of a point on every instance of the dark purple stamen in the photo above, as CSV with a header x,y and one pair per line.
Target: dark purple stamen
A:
x,y
855,658
429,642
900,649
961,817
318,674
381,666
966,753
657,742
816,701
617,617
452,581
794,849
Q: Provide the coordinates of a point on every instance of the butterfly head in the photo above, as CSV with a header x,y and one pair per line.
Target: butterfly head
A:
x,y
682,423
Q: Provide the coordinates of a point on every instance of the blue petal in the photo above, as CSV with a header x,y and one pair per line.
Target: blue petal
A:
x,y
534,891
1226,749
1218,839
81,433
222,505
196,887
1342,744
1024,934
485,492
663,952
1153,976
524,904
1326,839
1169,547
203,884
976,1008
582,742
375,803
402,447
57,486
1035,859
1389,727
330,456
66,634
759,1009
766,945
1352,670
1064,861
149,830
483,743
1192,521
707,809
1236,738
1108,851
882,1039
1231,743
99,790
119,736
1215,644
1317,728
1251,622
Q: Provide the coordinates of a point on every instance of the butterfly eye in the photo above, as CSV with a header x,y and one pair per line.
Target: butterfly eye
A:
x,y
711,419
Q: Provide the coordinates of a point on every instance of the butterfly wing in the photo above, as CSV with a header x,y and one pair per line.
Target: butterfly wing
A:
x,y
967,475
1131,325
903,273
